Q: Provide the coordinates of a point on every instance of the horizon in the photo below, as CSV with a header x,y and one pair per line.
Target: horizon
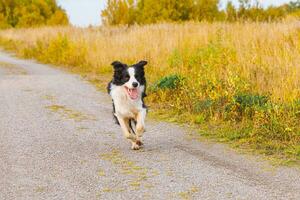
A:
x,y
92,10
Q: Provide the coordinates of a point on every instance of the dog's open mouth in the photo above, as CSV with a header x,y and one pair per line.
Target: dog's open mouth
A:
x,y
132,93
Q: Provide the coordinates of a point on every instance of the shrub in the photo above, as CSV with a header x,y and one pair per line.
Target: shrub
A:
x,y
244,106
168,82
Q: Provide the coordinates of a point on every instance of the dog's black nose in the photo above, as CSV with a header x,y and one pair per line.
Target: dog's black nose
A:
x,y
135,84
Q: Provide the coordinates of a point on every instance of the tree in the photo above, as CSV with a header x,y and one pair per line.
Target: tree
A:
x,y
58,18
119,12
206,10
129,12
231,14
29,13
151,11
3,22
294,6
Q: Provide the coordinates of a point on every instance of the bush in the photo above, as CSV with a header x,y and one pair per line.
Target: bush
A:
x,y
168,82
28,13
244,106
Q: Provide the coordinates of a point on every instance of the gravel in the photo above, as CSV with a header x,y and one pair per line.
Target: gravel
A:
x,y
58,141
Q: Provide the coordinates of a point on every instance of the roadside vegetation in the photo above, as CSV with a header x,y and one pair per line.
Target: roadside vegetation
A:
x,y
236,82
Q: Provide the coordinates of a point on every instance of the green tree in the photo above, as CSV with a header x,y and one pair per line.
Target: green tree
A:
x,y
294,6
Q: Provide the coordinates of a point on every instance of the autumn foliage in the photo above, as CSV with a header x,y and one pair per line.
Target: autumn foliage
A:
x,y
31,13
128,12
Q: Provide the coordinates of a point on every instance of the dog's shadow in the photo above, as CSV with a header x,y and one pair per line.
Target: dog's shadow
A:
x,y
154,141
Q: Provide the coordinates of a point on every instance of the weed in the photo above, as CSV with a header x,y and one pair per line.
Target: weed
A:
x,y
68,113
186,195
138,174
12,69
168,82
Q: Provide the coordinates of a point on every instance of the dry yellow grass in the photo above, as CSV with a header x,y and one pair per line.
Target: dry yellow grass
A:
x,y
266,54
244,74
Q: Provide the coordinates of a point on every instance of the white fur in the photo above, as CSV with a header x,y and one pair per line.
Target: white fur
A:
x,y
126,107
132,79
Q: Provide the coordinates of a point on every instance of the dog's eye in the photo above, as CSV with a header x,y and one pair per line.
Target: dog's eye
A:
x,y
127,77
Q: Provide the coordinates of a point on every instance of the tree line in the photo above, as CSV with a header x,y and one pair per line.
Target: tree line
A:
x,y
128,12
31,13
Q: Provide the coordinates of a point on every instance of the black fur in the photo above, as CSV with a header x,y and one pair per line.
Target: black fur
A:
x,y
132,123
140,77
121,76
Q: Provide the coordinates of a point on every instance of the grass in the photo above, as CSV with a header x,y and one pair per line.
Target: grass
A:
x,y
101,172
138,175
11,69
235,82
67,113
40,189
186,195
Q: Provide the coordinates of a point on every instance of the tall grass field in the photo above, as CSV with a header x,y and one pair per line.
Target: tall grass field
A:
x,y
233,82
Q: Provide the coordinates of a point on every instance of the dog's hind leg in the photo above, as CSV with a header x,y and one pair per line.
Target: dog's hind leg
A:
x,y
124,123
140,126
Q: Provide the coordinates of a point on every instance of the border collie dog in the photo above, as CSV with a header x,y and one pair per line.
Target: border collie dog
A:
x,y
128,90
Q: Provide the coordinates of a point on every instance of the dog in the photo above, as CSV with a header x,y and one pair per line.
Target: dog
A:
x,y
128,90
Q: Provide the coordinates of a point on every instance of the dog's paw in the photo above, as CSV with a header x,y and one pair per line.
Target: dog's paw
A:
x,y
135,146
139,143
140,130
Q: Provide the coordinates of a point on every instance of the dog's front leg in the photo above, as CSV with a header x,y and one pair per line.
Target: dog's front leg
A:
x,y
126,131
140,126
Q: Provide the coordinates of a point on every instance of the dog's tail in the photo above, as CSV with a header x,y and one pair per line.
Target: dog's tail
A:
x,y
132,125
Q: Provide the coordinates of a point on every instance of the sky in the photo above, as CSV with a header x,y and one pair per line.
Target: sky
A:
x,y
83,12
87,12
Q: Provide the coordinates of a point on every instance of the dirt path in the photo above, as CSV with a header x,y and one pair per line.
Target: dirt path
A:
x,y
58,141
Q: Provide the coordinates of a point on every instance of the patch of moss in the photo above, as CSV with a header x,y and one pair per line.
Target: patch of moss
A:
x,y
138,175
49,97
101,172
68,113
11,69
40,189
186,195
110,190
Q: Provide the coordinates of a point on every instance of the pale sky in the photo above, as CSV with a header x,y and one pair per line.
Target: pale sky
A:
x,y
87,12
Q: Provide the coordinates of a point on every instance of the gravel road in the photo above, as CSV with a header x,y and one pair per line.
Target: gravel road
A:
x,y
58,141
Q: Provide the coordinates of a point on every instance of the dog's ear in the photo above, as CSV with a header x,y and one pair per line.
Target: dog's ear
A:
x,y
142,63
118,65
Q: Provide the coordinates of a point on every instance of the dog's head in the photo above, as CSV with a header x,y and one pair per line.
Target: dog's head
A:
x,y
132,78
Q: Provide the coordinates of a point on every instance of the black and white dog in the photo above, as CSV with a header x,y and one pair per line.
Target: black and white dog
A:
x,y
128,90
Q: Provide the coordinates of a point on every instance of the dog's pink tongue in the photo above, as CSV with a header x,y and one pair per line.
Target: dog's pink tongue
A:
x,y
133,93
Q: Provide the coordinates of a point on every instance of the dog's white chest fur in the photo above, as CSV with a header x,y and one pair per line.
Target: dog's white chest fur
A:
x,y
124,106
